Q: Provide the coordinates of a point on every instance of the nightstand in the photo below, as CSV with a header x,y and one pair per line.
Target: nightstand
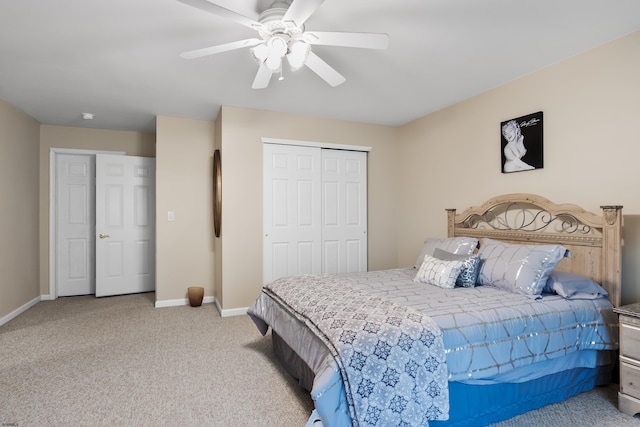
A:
x,y
629,394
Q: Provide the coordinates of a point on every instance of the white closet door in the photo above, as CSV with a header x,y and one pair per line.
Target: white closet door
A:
x,y
291,211
344,211
75,224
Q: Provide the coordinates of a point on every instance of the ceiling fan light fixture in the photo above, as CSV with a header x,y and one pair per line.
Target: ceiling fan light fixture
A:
x,y
260,52
271,51
274,63
298,53
277,46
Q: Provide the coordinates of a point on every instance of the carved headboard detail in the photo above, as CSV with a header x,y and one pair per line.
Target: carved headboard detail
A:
x,y
594,240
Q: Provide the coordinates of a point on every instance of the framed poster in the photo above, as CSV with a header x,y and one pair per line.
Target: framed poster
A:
x,y
521,142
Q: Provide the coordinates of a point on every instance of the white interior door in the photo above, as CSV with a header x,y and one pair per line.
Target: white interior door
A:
x,y
125,224
291,211
344,211
75,224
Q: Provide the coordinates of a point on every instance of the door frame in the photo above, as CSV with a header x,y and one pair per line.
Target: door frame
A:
x,y
53,153
316,144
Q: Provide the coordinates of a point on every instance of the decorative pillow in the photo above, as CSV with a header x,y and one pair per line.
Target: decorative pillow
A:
x,y
573,286
517,268
455,245
470,266
437,272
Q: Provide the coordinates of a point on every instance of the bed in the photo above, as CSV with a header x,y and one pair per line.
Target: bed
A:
x,y
512,311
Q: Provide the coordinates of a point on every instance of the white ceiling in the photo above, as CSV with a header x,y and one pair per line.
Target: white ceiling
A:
x,y
119,59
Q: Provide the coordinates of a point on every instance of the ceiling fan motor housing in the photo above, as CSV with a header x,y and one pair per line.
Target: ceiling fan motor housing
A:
x,y
272,23
279,37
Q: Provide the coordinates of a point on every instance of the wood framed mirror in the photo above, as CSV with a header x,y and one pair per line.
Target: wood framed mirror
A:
x,y
217,193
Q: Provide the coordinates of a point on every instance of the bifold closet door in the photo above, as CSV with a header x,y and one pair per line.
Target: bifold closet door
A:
x,y
291,211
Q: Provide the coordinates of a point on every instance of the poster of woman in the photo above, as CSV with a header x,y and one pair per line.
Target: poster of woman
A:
x,y
522,143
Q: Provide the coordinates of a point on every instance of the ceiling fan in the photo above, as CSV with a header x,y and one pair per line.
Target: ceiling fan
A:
x,y
282,35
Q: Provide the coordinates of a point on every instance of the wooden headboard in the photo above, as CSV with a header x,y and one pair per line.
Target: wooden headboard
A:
x,y
594,240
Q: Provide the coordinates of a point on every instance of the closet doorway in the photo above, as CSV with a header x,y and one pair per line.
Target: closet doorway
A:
x,y
314,209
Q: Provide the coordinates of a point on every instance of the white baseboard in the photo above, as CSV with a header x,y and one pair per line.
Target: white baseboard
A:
x,y
233,311
159,304
184,301
18,311
206,300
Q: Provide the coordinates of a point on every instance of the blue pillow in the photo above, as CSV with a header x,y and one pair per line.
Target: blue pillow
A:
x,y
470,266
573,286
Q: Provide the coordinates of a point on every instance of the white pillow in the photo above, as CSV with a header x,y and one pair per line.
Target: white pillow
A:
x,y
434,271
470,266
455,245
517,268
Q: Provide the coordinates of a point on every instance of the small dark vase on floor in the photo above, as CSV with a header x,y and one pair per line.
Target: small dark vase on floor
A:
x,y
196,293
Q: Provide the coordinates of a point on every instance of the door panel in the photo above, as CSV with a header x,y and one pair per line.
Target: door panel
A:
x,y
291,211
354,257
344,201
75,224
125,223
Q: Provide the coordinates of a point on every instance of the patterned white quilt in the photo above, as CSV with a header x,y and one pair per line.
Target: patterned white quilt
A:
x,y
391,357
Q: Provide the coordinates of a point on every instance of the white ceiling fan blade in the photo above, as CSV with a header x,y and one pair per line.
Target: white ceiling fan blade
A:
x,y
208,6
301,10
198,53
324,70
262,78
362,40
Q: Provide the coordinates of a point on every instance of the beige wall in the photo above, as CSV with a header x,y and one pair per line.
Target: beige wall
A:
x,y
184,170
591,105
217,281
132,143
241,150
19,135
448,159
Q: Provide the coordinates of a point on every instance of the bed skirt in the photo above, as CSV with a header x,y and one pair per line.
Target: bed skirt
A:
x,y
479,405
474,405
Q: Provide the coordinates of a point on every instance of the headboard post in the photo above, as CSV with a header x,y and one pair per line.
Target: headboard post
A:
x,y
451,223
611,255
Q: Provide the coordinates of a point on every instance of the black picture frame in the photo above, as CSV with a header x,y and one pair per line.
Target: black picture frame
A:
x,y
521,143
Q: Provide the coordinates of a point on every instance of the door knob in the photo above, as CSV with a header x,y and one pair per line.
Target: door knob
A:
x,y
102,236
